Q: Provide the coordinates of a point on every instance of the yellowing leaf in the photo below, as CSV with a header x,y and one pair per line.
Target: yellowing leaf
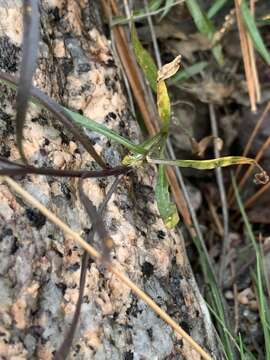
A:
x,y
164,105
169,69
262,177
163,100
144,59
166,208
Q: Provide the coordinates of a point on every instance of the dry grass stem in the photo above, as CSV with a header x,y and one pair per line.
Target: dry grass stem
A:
x,y
246,57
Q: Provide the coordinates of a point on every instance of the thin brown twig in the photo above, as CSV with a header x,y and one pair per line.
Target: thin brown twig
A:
x,y
94,253
259,123
250,201
258,157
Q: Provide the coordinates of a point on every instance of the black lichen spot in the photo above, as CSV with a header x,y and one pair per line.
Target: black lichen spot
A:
x,y
77,348
112,115
128,355
185,326
64,138
110,63
150,333
66,66
84,67
62,287
109,116
110,84
35,217
36,331
43,152
9,55
54,14
46,142
66,191
15,246
147,269
143,233
161,234
9,128
5,232
122,124
5,151
74,267
41,120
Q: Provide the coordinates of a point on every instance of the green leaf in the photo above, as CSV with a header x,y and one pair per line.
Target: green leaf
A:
x,y
166,208
215,8
168,5
250,24
205,26
189,71
262,177
103,130
145,60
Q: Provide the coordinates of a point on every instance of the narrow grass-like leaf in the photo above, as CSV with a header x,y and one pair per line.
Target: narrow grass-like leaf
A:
x,y
103,130
188,72
213,164
167,210
251,26
215,8
263,306
145,60
168,5
28,66
205,26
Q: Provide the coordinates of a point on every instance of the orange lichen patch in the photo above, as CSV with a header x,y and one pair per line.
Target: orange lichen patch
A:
x,y
92,338
99,46
12,351
18,312
119,292
34,137
188,352
68,308
74,17
161,259
59,50
11,15
8,203
60,159
94,192
32,289
44,353
105,304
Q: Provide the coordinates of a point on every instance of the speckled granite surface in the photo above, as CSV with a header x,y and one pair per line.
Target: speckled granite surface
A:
x,y
40,267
